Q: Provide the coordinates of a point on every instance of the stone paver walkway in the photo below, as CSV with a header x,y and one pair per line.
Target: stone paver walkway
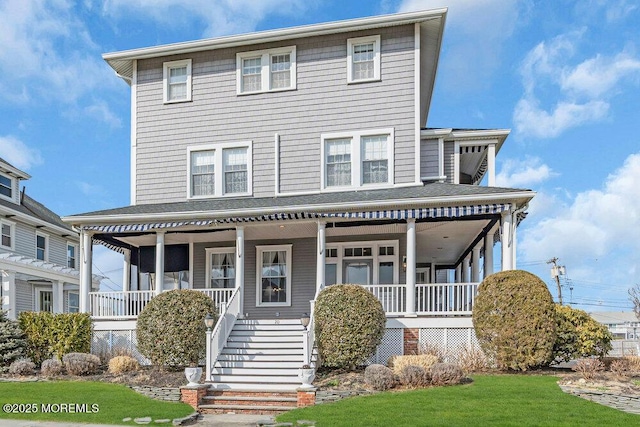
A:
x,y
622,402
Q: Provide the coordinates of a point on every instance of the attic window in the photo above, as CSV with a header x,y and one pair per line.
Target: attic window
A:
x,y
5,186
177,81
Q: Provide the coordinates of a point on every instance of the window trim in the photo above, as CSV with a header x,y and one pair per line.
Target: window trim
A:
x,y
11,187
12,233
38,291
219,168
375,258
357,159
376,58
259,250
75,253
265,69
166,66
46,246
220,250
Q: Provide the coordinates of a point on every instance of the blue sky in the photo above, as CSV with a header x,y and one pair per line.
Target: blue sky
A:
x,y
563,75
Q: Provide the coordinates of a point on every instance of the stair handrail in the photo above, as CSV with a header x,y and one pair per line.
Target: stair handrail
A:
x,y
309,335
217,338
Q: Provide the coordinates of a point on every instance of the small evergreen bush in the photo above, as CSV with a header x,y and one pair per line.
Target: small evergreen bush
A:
x,y
446,374
51,367
171,331
12,341
579,335
22,367
379,377
81,363
349,325
415,376
122,364
514,320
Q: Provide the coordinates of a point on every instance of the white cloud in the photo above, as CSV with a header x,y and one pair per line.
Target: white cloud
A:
x,y
47,53
601,224
88,189
560,94
101,111
489,23
18,154
220,17
523,173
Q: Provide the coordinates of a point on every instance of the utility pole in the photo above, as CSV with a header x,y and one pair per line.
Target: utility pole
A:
x,y
556,272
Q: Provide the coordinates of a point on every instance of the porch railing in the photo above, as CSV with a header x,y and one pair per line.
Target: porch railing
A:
x,y
392,297
446,298
129,304
217,338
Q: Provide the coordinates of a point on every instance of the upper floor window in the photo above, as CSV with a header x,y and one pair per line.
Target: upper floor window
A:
x,y
6,186
363,59
357,159
177,81
223,169
42,246
266,70
6,232
71,255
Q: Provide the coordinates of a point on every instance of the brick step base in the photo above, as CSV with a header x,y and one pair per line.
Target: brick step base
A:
x,y
243,409
247,402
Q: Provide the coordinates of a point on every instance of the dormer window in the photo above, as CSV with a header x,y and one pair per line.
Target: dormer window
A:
x,y
266,70
6,186
363,59
177,81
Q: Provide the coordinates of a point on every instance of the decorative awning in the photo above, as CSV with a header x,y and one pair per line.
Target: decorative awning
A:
x,y
399,214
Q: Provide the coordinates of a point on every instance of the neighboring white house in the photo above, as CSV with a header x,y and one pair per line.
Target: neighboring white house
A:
x,y
622,324
39,254
266,166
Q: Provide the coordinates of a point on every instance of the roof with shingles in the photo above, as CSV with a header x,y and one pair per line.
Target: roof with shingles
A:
x,y
36,210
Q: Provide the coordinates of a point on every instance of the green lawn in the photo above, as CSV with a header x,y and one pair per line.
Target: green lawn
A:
x,y
112,403
491,400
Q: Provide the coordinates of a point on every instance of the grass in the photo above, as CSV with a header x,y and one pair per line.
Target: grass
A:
x,y
114,402
496,400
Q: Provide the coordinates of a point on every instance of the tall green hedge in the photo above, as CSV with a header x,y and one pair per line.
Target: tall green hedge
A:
x,y
349,325
579,335
171,331
514,320
51,334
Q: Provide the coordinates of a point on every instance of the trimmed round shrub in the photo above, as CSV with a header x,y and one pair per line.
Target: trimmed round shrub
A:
x,y
51,367
122,364
514,320
379,377
446,374
81,363
349,325
22,367
171,331
12,341
579,335
415,376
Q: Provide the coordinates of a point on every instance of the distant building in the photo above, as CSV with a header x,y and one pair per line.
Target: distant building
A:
x,y
622,324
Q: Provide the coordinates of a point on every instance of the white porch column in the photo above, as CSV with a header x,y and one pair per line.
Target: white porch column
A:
x,y
9,293
411,268
475,264
465,270
491,165
514,241
240,265
86,270
159,262
126,271
506,239
458,274
320,263
432,271
488,254
58,296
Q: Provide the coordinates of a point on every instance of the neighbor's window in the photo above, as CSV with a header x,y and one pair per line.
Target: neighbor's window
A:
x,y
177,81
45,301
363,59
73,302
266,70
7,235
41,247
6,186
71,255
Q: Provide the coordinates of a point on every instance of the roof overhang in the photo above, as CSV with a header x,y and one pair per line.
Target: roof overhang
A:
x,y
13,171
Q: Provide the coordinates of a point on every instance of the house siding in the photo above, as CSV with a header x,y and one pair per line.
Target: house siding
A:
x,y
449,161
24,296
218,114
429,157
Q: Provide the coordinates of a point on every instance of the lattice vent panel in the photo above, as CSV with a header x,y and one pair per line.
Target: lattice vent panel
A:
x,y
110,343
392,345
449,342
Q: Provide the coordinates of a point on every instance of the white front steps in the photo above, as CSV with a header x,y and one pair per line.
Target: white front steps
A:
x,y
261,355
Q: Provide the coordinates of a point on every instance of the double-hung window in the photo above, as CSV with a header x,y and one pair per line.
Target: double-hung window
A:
x,y
274,275
221,268
220,170
177,81
6,186
354,159
71,255
363,59
42,247
266,70
73,302
6,233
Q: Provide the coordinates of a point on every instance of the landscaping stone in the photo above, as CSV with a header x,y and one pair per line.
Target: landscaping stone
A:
x,y
188,419
126,420
142,420
161,421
